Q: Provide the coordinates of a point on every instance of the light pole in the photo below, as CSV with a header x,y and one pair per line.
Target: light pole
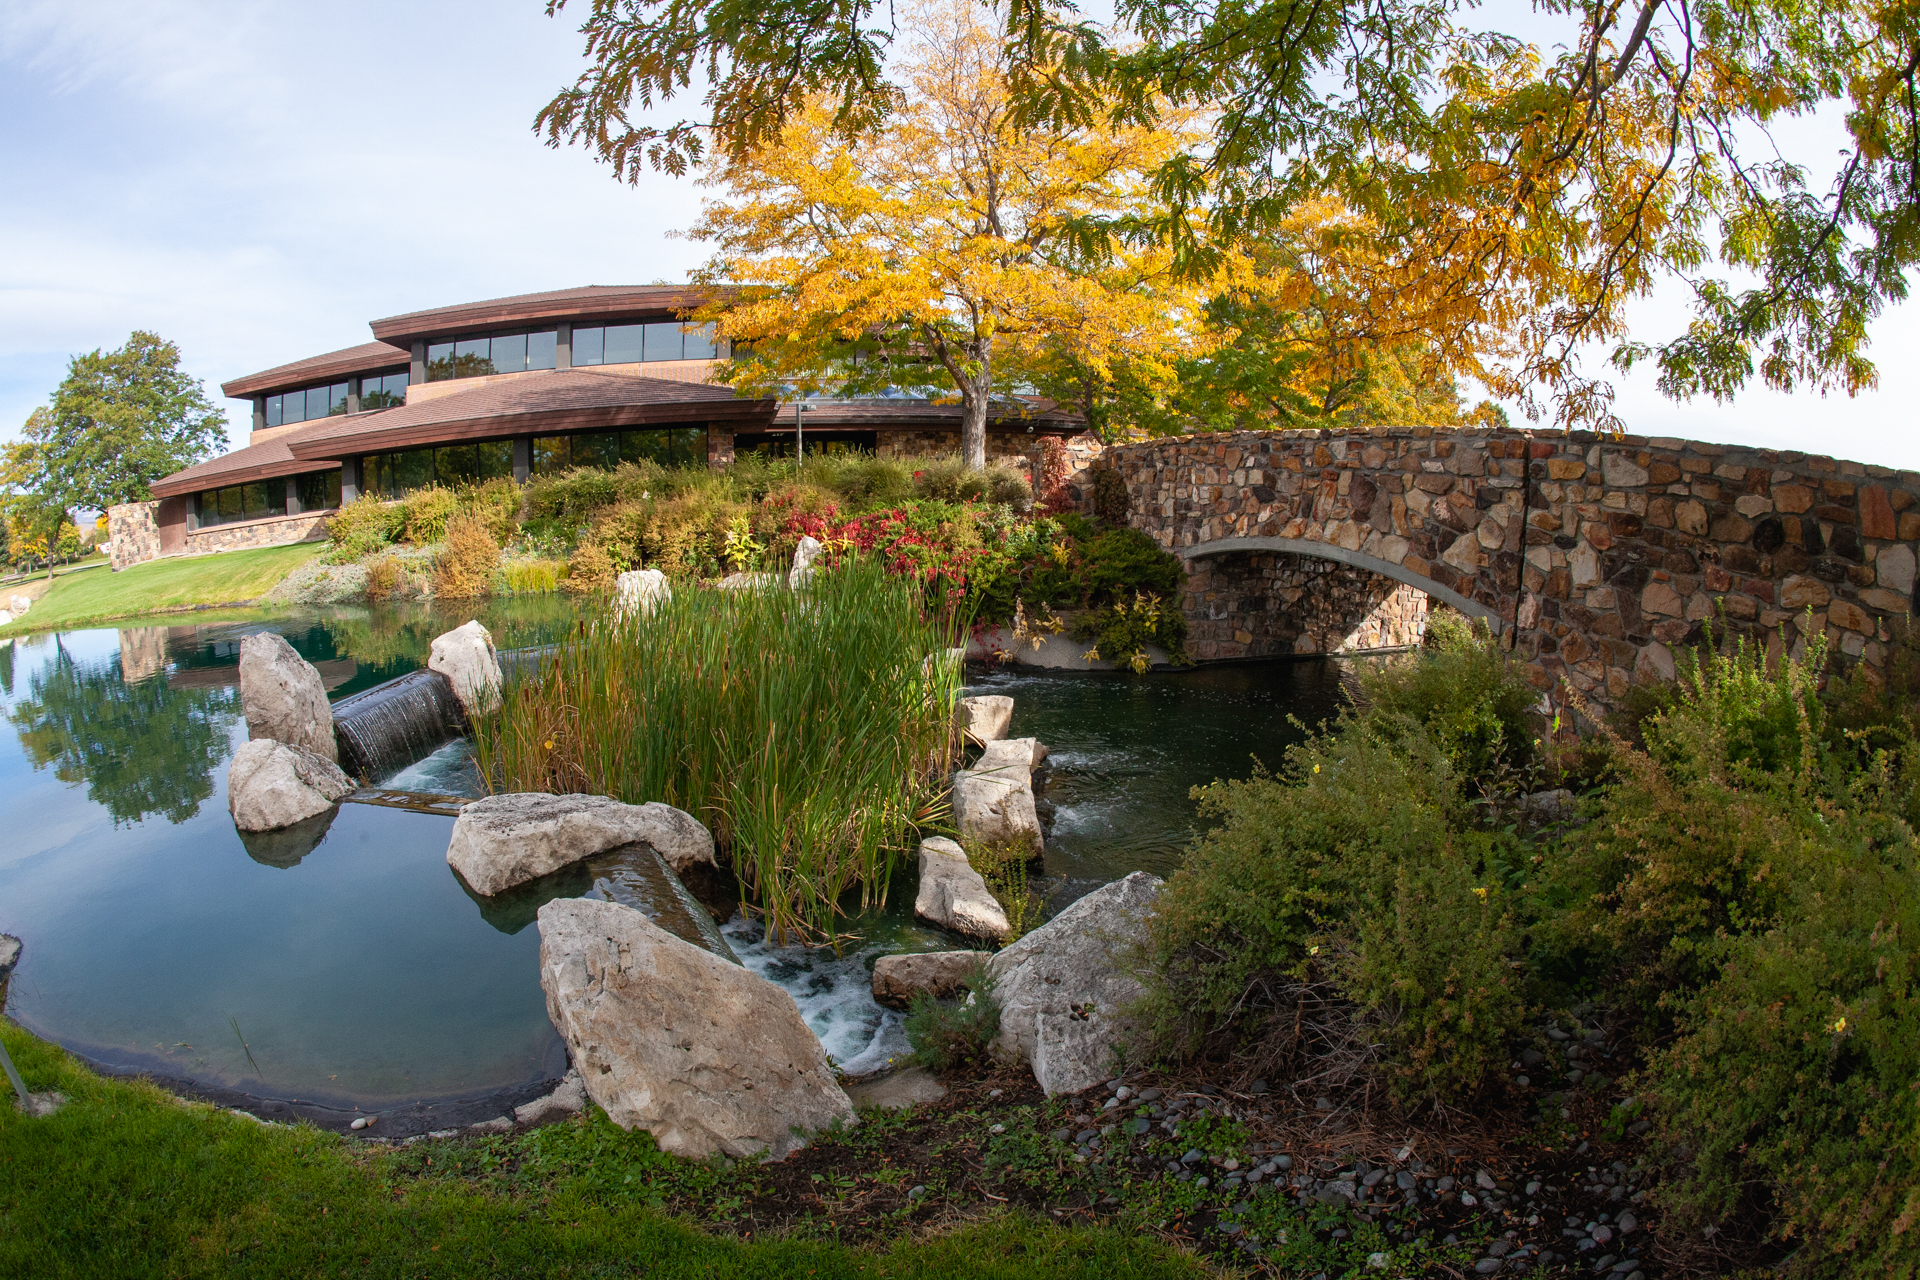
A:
x,y
799,431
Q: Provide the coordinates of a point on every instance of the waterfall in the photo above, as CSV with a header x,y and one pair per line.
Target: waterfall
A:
x,y
386,728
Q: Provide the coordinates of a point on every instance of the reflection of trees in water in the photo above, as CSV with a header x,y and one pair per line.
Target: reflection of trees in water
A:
x,y
141,748
6,668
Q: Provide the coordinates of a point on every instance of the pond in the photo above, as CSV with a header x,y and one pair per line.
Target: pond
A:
x,y
359,972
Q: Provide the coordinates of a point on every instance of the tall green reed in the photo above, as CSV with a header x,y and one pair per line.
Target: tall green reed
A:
x,y
810,730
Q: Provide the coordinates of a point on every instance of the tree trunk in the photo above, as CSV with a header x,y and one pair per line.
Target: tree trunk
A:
x,y
973,422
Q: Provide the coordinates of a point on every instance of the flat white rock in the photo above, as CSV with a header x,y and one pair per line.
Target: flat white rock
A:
x,y
639,591
508,839
283,697
953,895
993,801
272,785
988,717
1064,987
940,974
706,1056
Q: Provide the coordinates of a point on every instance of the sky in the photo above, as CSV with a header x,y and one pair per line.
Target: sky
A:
x,y
257,181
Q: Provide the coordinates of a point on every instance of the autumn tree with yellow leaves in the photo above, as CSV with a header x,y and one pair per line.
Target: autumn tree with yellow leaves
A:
x,y
956,252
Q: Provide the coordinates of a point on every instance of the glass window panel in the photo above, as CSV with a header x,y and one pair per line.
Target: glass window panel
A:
x,y
588,344
550,454
454,464
273,411
295,408
383,392
687,446
471,359
510,353
623,343
382,481
493,459
230,507
664,341
641,446
540,350
439,361
597,449
337,398
332,495
700,344
412,470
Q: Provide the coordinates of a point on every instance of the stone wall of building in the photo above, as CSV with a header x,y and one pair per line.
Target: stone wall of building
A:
x,y
1595,556
274,531
1262,604
133,534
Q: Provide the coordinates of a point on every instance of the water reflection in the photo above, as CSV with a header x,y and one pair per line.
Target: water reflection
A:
x,y
141,747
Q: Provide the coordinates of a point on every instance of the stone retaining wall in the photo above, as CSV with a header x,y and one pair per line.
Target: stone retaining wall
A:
x,y
1594,556
274,531
133,534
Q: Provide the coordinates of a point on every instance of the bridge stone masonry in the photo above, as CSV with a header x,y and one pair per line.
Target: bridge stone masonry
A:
x,y
1593,557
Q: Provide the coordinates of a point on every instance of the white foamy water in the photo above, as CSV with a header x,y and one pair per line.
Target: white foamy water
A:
x,y
448,771
834,993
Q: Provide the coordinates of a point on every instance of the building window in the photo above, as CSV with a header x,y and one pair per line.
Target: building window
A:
x,y
319,490
301,406
493,353
383,391
637,343
394,475
668,446
241,502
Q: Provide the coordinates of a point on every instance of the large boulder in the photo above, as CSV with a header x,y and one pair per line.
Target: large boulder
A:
x,y
953,895
988,717
639,591
704,1055
283,698
508,839
993,801
271,785
803,557
1063,988
940,974
467,658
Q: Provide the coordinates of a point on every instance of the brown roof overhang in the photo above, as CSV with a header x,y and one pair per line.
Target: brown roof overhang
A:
x,y
368,357
594,302
242,466
544,403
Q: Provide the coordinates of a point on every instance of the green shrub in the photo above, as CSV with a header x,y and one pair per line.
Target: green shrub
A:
x,y
1467,697
383,579
947,1035
1121,632
1004,867
532,577
364,526
426,514
1794,1070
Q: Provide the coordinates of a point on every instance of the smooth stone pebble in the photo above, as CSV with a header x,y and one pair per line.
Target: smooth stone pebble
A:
x,y
1487,1266
998,1128
1063,1135
914,1193
360,1123
1627,1224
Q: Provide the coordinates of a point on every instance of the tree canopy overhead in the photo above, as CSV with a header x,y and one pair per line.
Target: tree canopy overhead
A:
x,y
1517,194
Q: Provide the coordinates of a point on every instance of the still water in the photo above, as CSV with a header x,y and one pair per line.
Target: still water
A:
x,y
349,966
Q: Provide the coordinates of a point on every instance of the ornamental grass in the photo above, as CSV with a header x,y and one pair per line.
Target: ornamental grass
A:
x,y
812,731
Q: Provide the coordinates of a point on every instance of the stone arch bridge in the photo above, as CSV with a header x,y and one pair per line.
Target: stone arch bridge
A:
x,y
1593,557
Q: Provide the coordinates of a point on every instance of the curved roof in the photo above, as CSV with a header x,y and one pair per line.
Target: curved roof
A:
x,y
549,400
368,357
589,302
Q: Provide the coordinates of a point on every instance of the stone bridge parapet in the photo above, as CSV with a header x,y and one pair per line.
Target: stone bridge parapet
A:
x,y
1593,556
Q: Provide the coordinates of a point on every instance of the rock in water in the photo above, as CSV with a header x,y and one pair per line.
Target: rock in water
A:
x,y
993,801
638,591
1062,987
704,1055
509,839
283,698
466,657
803,557
988,717
953,895
940,974
272,785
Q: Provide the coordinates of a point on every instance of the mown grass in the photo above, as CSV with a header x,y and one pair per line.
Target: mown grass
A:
x,y
161,586
126,1181
809,730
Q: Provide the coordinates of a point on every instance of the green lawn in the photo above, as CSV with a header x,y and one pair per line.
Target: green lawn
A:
x,y
160,586
126,1181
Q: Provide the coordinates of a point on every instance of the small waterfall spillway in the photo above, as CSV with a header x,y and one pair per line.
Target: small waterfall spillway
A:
x,y
388,727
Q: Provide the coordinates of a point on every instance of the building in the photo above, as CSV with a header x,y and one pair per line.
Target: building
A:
x,y
509,387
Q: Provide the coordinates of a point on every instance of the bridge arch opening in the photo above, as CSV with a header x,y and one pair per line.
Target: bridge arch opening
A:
x,y
1255,597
